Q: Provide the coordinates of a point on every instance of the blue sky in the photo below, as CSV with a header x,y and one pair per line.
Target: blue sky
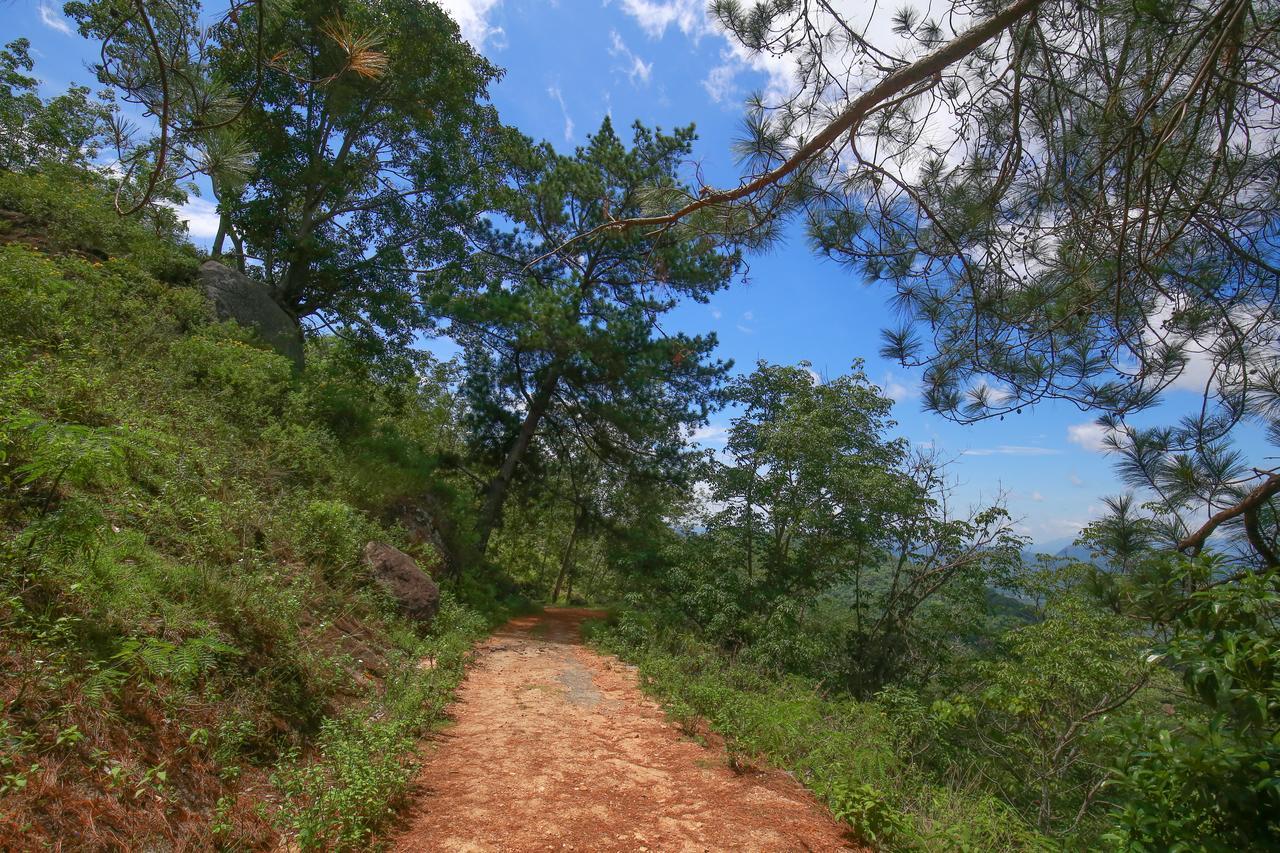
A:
x,y
570,63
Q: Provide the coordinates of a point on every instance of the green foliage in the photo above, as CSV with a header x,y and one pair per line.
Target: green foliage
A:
x,y
365,758
832,551
68,210
362,176
185,663
184,517
565,356
246,380
812,479
866,810
842,748
69,129
1208,779
1028,714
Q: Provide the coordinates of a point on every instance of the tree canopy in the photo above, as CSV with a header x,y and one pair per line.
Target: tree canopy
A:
x,y
572,343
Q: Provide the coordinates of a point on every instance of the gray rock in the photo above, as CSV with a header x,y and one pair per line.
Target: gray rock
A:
x,y
237,297
398,573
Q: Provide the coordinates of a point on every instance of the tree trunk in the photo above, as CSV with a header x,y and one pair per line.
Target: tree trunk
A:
x,y
496,493
567,559
221,236
239,246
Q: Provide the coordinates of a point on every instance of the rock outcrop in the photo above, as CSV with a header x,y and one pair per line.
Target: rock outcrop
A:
x,y
237,297
398,574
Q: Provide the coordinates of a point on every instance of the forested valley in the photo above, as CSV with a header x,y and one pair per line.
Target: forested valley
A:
x,y
260,499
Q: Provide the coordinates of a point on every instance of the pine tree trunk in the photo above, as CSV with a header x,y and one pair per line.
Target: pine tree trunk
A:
x,y
567,560
496,493
220,237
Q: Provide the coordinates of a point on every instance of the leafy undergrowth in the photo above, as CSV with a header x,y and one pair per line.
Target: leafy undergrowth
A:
x,y
194,654
848,752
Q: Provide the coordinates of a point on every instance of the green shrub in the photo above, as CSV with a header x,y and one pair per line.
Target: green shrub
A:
x,y
849,752
180,573
367,758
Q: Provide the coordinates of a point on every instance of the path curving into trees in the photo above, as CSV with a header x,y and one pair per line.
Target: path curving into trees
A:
x,y
554,747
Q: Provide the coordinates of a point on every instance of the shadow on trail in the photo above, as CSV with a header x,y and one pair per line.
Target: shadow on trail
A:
x,y
557,625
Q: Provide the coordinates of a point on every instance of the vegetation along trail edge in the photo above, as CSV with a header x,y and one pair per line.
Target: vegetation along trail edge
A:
x,y
554,747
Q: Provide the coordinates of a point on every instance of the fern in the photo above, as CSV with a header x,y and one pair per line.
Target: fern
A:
x,y
71,453
184,663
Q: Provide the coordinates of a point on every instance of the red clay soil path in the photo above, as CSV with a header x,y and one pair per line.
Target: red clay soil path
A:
x,y
556,748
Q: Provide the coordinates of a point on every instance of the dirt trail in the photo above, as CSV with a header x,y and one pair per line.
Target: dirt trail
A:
x,y
556,748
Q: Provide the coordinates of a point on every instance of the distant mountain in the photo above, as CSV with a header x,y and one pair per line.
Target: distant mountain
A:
x,y
1075,552
1062,549
1053,546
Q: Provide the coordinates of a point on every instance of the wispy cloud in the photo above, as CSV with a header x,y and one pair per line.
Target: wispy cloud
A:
x,y
1011,450
1058,528
52,18
1091,436
474,19
721,84
709,434
554,92
633,66
655,16
746,330
201,216
1075,479
899,390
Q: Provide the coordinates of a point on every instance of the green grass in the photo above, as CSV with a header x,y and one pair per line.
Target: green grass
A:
x,y
365,759
197,653
846,751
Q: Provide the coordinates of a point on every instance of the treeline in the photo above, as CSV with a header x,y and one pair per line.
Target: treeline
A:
x,y
829,610
813,590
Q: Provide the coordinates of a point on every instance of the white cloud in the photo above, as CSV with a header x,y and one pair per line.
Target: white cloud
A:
x,y
201,216
1011,450
746,330
1057,528
1037,497
1075,479
690,17
899,390
654,16
720,83
748,316
814,375
716,313
52,18
709,434
554,92
1090,436
473,18
633,66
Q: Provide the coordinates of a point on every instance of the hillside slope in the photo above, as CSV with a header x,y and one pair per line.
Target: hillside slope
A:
x,y
195,656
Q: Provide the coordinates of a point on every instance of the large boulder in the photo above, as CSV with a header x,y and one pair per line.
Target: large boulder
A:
x,y
398,573
237,297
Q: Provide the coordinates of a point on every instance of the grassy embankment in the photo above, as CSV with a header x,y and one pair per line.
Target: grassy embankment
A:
x,y
854,755
193,651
